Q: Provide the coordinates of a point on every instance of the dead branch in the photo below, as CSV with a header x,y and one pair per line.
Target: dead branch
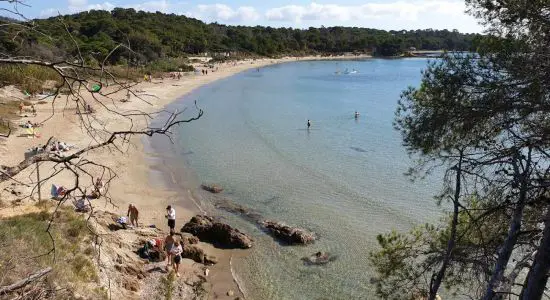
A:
x,y
24,282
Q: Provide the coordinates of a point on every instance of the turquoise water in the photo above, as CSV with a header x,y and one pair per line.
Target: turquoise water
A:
x,y
342,179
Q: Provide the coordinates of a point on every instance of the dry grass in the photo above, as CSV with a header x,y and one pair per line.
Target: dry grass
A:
x,y
8,111
28,78
24,238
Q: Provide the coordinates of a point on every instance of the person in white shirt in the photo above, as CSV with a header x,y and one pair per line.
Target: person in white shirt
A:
x,y
176,253
171,216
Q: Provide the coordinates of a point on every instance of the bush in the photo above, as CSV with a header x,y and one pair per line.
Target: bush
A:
x,y
26,234
27,77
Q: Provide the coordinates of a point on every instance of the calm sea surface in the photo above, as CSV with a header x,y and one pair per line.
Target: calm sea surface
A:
x,y
342,179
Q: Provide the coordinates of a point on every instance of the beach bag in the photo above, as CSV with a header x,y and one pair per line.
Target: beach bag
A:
x,y
143,252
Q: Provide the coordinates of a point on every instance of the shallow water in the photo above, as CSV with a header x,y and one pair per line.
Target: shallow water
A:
x,y
342,178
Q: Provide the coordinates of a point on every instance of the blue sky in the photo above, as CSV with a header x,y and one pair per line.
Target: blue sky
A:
x,y
381,14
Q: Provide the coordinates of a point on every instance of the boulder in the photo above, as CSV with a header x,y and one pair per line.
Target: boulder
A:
x,y
219,234
287,234
212,188
189,239
198,255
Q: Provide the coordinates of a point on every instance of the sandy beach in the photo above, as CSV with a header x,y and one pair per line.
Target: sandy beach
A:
x,y
133,165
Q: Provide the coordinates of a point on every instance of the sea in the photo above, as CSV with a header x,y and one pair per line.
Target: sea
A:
x,y
343,178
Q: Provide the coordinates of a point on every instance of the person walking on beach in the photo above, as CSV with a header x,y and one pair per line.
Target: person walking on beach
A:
x,y
176,253
171,216
308,124
168,245
133,214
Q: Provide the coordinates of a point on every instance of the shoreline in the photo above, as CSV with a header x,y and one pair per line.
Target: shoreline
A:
x,y
136,181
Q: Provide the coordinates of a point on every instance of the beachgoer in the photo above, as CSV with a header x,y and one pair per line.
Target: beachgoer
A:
x,y
168,244
28,124
33,109
171,216
133,214
21,105
356,114
176,253
308,124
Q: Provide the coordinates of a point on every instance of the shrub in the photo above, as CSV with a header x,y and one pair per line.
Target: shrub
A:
x,y
29,78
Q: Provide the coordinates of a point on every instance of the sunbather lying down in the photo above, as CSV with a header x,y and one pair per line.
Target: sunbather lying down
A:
x,y
61,146
57,191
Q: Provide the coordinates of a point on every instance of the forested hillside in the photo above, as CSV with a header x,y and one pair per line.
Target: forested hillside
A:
x,y
157,35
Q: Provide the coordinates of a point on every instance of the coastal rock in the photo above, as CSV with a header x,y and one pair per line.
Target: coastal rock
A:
x,y
189,239
198,255
213,188
319,258
220,234
288,234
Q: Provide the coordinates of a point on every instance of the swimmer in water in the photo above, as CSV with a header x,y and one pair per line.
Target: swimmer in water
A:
x,y
356,114
308,124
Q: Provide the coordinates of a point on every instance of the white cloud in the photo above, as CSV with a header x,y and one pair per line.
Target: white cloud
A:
x,y
100,6
49,12
153,6
77,3
224,13
407,10
399,14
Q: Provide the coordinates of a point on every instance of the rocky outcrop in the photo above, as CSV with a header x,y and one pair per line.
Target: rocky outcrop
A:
x,y
213,188
219,234
198,255
287,234
189,239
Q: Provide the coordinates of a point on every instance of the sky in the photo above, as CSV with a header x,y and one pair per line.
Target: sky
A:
x,y
379,14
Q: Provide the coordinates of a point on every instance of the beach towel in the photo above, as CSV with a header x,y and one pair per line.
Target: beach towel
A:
x,y
53,191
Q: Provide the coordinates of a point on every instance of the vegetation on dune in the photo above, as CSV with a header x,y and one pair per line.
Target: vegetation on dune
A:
x,y
29,78
27,248
153,36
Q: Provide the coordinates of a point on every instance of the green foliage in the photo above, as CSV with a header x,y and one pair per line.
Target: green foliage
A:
x,y
154,36
167,284
29,78
405,261
27,248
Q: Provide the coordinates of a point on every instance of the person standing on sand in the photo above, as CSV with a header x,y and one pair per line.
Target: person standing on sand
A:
x,y
133,214
168,245
171,216
176,252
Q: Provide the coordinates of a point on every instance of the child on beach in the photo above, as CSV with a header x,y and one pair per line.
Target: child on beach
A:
x,y
133,214
176,252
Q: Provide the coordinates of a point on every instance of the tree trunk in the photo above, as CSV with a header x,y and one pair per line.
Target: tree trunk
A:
x,y
507,248
436,282
537,277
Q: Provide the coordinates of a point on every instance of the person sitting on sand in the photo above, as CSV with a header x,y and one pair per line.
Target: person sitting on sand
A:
x,y
168,244
176,252
28,124
133,214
